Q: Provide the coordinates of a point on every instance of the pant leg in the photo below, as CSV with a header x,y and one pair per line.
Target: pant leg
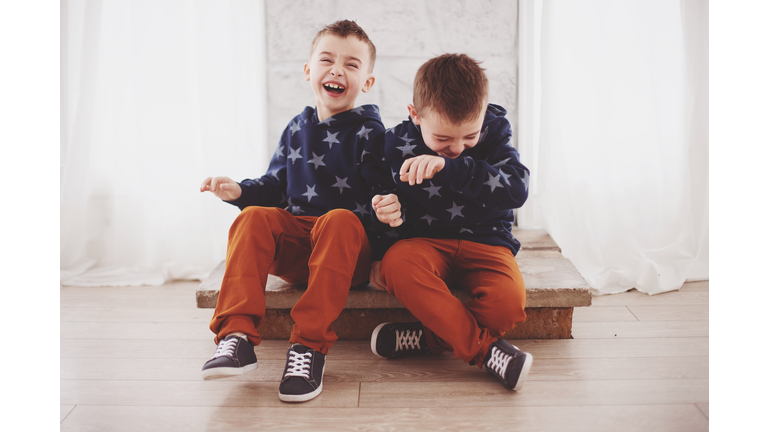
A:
x,y
418,272
491,276
340,259
257,236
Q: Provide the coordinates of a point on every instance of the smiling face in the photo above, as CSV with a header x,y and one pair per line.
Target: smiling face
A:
x,y
338,70
444,137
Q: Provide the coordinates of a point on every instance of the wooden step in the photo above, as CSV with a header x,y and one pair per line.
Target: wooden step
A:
x,y
553,288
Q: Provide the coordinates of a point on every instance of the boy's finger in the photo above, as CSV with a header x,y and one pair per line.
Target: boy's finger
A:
x,y
389,208
412,173
396,223
389,199
204,183
406,165
422,172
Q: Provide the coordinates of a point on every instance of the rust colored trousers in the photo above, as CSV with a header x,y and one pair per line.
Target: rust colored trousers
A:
x,y
419,273
329,254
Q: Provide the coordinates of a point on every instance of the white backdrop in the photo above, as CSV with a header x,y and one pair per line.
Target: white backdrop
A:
x,y
156,96
623,152
161,94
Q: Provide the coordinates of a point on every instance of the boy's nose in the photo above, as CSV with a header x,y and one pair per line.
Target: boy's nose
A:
x,y
336,71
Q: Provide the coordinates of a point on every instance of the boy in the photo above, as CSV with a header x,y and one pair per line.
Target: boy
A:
x,y
458,177
302,220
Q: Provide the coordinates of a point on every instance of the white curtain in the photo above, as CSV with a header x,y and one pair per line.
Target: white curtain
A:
x,y
623,154
156,96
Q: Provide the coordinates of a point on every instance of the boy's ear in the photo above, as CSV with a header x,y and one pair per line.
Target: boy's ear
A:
x,y
306,71
368,83
413,114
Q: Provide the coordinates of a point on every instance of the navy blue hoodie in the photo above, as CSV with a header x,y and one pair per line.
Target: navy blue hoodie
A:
x,y
316,167
470,199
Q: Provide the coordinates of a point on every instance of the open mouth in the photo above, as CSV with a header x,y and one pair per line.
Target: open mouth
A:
x,y
334,88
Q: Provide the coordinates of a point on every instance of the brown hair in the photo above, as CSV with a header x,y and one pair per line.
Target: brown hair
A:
x,y
344,28
452,85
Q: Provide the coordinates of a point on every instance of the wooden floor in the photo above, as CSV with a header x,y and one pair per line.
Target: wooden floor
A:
x,y
131,360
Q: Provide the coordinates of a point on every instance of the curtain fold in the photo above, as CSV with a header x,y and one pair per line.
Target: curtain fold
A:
x,y
623,156
159,95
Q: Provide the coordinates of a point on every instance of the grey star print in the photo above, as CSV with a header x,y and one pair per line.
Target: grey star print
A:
x,y
455,211
493,182
327,121
295,155
317,160
433,190
341,183
505,175
363,133
361,208
501,163
429,218
331,138
482,135
310,193
359,110
295,127
408,147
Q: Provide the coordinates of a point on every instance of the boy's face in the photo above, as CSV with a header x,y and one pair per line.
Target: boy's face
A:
x,y
444,137
338,71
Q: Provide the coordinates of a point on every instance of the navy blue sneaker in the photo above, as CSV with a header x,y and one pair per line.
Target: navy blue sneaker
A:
x,y
303,374
392,340
508,364
234,356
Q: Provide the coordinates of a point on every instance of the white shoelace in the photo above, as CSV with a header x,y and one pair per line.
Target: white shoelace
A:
x,y
407,340
298,364
498,361
226,348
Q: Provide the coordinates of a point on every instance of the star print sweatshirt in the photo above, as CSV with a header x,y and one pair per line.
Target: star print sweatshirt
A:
x,y
470,199
316,167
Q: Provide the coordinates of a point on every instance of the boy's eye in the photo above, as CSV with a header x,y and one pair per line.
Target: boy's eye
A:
x,y
353,65
326,60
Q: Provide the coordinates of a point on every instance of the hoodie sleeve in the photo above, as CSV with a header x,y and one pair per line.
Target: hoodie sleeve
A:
x,y
498,180
379,181
269,189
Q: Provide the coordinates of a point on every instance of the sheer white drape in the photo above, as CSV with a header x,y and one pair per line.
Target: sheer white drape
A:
x,y
623,154
155,97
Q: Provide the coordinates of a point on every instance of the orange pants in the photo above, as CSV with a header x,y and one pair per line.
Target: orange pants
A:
x,y
419,271
329,254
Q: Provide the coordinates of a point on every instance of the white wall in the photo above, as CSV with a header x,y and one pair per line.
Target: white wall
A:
x,y
406,33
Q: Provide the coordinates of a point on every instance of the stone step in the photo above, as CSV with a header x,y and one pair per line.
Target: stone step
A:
x,y
553,288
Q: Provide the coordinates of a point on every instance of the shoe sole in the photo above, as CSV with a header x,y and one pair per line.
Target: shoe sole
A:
x,y
375,336
524,372
224,372
302,397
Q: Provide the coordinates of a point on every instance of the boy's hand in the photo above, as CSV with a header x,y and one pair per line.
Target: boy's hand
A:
x,y
223,187
387,209
417,169
375,277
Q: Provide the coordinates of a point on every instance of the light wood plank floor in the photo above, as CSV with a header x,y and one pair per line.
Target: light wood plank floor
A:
x,y
131,359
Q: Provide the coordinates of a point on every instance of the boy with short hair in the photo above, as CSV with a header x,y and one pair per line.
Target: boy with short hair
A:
x,y
458,177
303,220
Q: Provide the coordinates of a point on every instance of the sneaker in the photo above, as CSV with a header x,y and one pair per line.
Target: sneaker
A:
x,y
391,340
303,374
508,364
233,356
